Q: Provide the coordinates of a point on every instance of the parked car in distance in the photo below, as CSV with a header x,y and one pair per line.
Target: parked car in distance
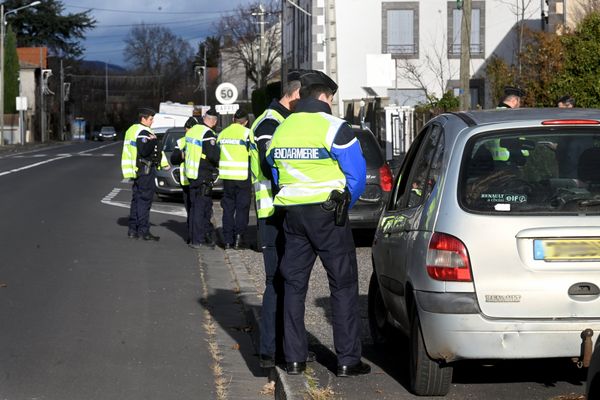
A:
x,y
366,211
489,246
166,182
107,133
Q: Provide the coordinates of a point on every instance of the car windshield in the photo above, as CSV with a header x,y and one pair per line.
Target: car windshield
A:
x,y
549,171
170,140
370,148
107,129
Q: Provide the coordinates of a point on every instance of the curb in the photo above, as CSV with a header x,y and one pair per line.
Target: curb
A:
x,y
286,387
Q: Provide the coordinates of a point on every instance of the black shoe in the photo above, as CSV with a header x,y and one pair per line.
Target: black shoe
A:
x,y
228,246
149,236
360,368
295,368
310,358
265,361
133,235
209,241
239,242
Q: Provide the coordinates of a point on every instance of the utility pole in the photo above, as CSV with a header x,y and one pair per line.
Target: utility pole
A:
x,y
261,15
62,101
106,82
465,55
204,74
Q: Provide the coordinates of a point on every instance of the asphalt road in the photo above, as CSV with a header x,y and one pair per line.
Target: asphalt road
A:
x,y
86,313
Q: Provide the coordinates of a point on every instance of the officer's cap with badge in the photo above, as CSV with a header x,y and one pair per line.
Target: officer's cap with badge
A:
x,y
211,113
146,112
313,77
513,91
191,121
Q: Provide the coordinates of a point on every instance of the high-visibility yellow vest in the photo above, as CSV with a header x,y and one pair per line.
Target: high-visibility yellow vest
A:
x,y
129,154
182,178
301,152
234,144
263,192
193,150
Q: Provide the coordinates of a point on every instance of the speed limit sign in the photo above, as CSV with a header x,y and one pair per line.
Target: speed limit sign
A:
x,y
226,93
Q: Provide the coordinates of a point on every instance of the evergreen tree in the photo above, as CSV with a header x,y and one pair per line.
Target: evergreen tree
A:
x,y
11,72
45,25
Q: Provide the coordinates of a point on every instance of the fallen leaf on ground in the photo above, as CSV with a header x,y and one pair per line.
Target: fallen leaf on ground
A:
x,y
268,389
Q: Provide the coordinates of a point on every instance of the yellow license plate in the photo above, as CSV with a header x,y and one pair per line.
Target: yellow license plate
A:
x,y
567,249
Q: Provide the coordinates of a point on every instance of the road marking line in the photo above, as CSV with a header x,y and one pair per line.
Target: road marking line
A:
x,y
97,148
177,211
33,165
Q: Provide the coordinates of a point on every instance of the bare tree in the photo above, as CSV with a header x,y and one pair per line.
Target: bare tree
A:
x,y
582,8
435,63
155,50
522,10
241,32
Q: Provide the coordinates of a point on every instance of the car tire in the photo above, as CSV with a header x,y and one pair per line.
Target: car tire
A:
x,y
427,377
381,330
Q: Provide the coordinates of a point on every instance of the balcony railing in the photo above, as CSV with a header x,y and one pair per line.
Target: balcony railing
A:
x,y
402,49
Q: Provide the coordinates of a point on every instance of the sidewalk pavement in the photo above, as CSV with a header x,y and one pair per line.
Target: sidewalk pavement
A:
x,y
320,380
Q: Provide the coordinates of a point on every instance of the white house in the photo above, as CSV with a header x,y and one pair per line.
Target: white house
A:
x,y
400,49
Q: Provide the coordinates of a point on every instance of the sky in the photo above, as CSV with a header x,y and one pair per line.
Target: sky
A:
x,y
191,20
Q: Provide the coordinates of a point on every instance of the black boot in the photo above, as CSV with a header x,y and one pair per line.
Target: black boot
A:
x,y
239,242
208,240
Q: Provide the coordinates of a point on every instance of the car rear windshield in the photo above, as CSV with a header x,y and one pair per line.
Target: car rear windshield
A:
x,y
532,171
370,148
171,140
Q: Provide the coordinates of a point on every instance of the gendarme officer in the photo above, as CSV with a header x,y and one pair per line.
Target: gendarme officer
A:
x,y
320,170
139,160
201,160
234,163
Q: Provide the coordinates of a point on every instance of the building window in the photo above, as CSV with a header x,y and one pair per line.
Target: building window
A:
x,y
477,30
400,29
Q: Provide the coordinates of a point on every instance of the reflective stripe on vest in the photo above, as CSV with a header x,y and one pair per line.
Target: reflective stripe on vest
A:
x,y
193,149
182,178
233,162
129,154
301,152
263,191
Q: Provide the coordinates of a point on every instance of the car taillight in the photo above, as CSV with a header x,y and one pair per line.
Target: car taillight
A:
x,y
385,178
447,259
571,122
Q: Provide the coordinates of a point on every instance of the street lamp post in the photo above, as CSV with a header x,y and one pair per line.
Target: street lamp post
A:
x,y
2,23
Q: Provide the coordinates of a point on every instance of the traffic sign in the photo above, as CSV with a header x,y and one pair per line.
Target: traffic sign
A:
x,y
226,93
227,108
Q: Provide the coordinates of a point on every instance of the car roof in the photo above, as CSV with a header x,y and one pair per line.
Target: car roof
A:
x,y
484,117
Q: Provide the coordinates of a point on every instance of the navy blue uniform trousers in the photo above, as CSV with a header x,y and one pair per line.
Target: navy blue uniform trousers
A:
x,y
199,225
236,208
141,202
311,231
272,241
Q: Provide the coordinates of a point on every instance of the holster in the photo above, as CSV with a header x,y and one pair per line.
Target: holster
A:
x,y
143,166
206,188
338,202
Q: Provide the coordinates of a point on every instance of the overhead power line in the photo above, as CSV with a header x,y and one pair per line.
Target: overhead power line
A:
x,y
149,12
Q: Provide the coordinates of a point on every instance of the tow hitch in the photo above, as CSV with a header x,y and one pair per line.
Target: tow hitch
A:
x,y
586,349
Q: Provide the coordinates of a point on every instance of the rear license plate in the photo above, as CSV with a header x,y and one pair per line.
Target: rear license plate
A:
x,y
566,249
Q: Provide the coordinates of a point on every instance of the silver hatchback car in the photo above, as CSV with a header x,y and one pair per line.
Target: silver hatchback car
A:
x,y
489,247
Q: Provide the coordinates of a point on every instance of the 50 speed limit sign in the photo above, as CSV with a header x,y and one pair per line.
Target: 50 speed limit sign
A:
x,y
226,93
